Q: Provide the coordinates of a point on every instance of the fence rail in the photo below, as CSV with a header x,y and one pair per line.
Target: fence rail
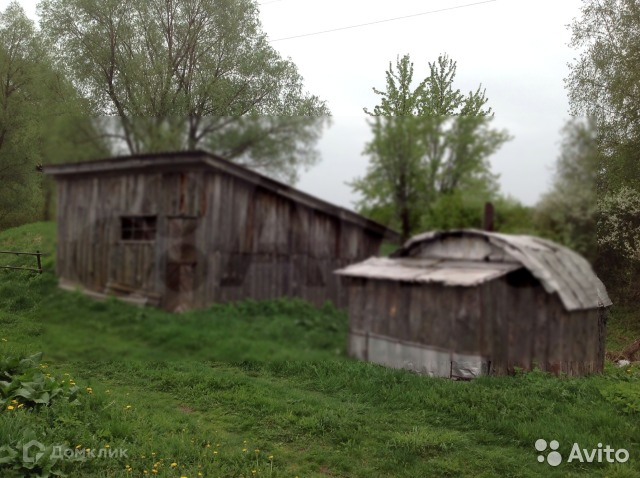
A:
x,y
38,254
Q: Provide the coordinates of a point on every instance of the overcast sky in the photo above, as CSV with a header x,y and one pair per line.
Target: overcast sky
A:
x,y
517,49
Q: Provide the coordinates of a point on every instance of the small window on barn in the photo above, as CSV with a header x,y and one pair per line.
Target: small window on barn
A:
x,y
138,228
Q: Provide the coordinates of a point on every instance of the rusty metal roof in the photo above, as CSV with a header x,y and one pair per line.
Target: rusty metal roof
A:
x,y
468,257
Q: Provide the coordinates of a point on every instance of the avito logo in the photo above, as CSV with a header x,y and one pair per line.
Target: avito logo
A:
x,y
600,454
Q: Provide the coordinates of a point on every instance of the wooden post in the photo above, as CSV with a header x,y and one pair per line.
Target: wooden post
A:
x,y
39,264
488,217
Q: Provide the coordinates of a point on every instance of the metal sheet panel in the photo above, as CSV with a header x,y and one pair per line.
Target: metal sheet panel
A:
x,y
559,269
460,277
448,272
417,357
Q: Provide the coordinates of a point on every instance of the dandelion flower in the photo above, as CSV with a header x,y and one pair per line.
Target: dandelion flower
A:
x,y
244,450
127,407
174,464
270,457
10,407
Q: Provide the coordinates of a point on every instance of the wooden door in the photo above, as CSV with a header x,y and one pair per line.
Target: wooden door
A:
x,y
181,263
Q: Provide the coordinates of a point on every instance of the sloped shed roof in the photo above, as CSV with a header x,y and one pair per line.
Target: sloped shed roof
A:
x,y
470,257
181,160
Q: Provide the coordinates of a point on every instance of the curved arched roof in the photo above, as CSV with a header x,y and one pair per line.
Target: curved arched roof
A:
x,y
467,257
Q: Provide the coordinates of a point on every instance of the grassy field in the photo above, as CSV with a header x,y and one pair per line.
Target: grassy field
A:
x,y
265,389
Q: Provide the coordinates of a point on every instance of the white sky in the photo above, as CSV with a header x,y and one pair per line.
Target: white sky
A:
x,y
517,49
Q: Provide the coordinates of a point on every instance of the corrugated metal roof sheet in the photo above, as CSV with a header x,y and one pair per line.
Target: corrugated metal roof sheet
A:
x,y
446,272
559,269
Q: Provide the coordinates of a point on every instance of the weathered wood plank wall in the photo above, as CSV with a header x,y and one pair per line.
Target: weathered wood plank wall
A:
x,y
250,242
511,324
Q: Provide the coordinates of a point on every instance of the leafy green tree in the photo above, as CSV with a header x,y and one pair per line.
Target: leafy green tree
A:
x,y
618,260
32,92
602,83
429,143
187,74
568,212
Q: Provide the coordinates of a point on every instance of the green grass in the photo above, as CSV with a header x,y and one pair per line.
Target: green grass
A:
x,y
197,389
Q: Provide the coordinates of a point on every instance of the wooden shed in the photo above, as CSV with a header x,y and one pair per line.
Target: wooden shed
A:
x,y
465,303
184,230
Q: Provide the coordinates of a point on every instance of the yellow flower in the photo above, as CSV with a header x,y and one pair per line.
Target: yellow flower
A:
x,y
208,445
145,472
253,472
78,446
199,474
174,464
215,452
89,390
107,446
270,457
87,449
257,451
20,405
244,450
14,401
10,407
154,471
127,407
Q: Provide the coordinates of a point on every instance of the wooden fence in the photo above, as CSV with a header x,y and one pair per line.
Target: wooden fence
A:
x,y
38,254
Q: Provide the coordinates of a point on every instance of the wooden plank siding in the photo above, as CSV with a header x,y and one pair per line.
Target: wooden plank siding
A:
x,y
249,241
510,324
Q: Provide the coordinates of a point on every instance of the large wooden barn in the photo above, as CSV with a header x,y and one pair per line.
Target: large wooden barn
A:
x,y
184,230
465,303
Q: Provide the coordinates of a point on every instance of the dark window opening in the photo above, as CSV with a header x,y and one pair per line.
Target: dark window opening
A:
x,y
138,228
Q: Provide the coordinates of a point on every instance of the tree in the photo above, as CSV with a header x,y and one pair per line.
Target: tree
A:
x,y
619,243
187,74
428,143
275,145
568,212
602,83
31,93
